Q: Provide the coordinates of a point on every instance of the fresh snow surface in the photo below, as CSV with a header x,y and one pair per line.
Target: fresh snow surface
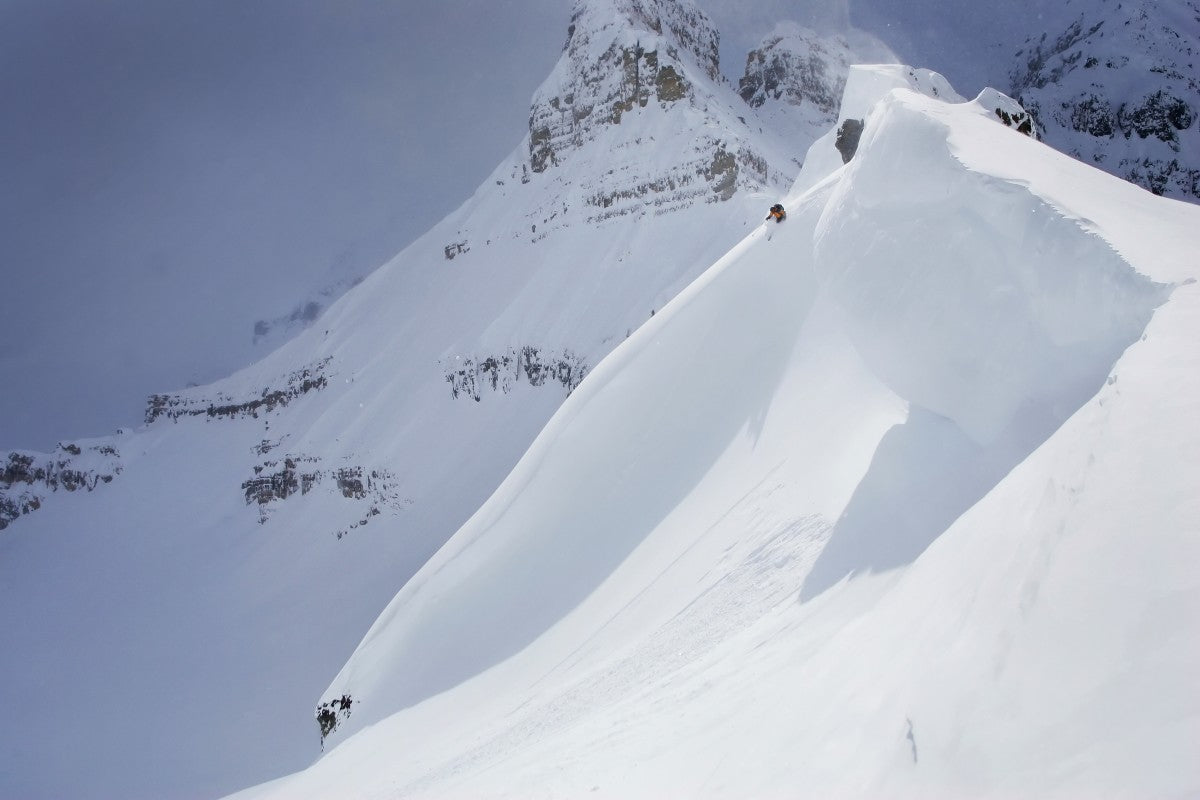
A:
x,y
897,499
864,86
166,636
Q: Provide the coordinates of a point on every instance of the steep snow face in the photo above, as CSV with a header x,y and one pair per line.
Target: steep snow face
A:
x,y
666,509
866,84
1117,87
633,580
979,401
253,528
1037,286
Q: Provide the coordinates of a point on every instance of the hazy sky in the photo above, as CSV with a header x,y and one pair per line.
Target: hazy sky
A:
x,y
152,149
172,171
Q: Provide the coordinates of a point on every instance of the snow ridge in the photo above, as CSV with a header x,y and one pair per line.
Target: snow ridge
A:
x,y
923,424
740,425
259,523
983,314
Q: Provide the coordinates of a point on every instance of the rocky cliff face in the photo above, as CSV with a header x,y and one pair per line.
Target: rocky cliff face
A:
x,y
619,56
655,61
28,479
1119,88
201,403
796,67
794,81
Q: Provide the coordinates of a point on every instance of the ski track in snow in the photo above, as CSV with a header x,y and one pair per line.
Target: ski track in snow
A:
x,y
973,665
951,410
763,568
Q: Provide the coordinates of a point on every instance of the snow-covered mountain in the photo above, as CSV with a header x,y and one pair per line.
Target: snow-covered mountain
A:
x,y
1118,86
176,597
923,353
949,403
795,79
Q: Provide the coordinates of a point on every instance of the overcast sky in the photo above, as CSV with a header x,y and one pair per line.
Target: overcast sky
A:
x,y
172,171
152,149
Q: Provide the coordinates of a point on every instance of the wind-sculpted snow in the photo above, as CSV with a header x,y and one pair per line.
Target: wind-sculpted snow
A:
x,y
620,615
865,85
968,296
208,581
717,370
920,371
985,307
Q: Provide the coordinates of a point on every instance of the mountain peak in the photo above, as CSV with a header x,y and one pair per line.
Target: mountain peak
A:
x,y
680,22
792,65
620,56
634,73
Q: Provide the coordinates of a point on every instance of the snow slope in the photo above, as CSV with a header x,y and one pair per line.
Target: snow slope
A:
x,y
960,333
174,599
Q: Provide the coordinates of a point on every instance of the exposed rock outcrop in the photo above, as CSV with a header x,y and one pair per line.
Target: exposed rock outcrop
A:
x,y
656,60
1008,111
617,60
794,81
848,134
27,479
222,405
471,376
330,714
277,480
270,333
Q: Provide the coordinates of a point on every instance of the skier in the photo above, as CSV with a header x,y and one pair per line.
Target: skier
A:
x,y
777,212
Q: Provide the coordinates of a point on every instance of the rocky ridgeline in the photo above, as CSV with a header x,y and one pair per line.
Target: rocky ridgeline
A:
x,y
298,383
472,376
631,58
277,480
607,75
1122,92
27,478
